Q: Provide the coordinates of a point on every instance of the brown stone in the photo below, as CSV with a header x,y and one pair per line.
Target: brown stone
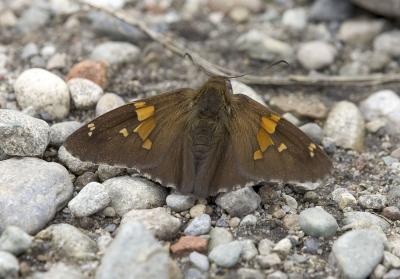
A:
x,y
187,244
89,69
391,212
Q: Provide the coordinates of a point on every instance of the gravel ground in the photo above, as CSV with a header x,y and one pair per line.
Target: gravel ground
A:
x,y
61,66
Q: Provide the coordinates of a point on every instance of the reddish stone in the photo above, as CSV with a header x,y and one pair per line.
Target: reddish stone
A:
x,y
187,244
90,69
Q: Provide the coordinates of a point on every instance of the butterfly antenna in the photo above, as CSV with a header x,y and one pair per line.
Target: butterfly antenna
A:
x,y
267,67
188,55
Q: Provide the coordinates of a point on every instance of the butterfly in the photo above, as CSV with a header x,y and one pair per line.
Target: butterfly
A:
x,y
201,142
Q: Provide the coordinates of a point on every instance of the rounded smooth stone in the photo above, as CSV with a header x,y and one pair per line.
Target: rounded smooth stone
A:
x,y
314,131
9,266
199,260
45,92
59,132
356,218
240,202
31,192
108,102
317,222
60,271
89,69
249,220
316,55
360,31
390,8
295,19
115,53
200,225
386,43
84,93
374,201
226,255
91,199
178,202
358,252
219,236
15,240
22,135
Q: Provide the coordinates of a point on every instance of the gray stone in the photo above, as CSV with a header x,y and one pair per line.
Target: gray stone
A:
x,y
249,250
32,19
374,201
331,10
29,50
360,31
357,218
248,273
316,55
393,196
390,260
317,222
9,266
69,242
128,193
108,102
249,220
115,52
90,200
306,186
265,246
63,7
219,236
390,8
295,19
74,164
178,202
22,135
386,43
358,252
343,198
199,260
226,255
393,274
157,220
15,241
240,202
31,192
268,261
345,125
283,247
314,131
84,93
44,92
277,275
200,225
105,172
60,271
194,273
145,258
59,132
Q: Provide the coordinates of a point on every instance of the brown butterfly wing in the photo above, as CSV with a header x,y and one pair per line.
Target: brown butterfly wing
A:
x,y
295,160
110,139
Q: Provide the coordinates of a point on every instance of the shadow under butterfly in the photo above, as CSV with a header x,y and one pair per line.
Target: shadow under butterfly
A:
x,y
201,142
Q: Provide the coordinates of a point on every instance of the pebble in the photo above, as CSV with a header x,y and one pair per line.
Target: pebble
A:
x,y
29,50
200,225
115,53
57,61
241,88
239,14
199,260
395,153
364,218
15,241
265,246
277,275
128,193
316,55
392,274
178,202
240,202
189,243
389,8
345,125
108,102
22,135
389,160
386,43
234,222
44,92
226,255
59,132
346,200
105,172
295,19
314,131
390,260
283,247
32,19
145,258
331,10
90,200
306,186
84,93
391,212
373,201
248,273
226,6
219,236
268,261
249,250
92,70
103,241
197,210
9,267
60,271
84,179
311,246
249,220
302,105
291,222
194,273
260,46
317,222
69,241
358,252
74,164
31,192
157,220
290,201
360,31
393,196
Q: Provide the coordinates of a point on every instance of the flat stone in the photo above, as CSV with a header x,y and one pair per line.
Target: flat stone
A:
x,y
199,225
59,132
226,255
317,222
74,164
188,243
84,93
89,69
14,240
364,218
31,192
178,202
115,53
199,260
240,202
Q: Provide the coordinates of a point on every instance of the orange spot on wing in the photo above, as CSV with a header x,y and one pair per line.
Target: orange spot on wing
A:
x,y
282,147
145,128
257,155
264,140
139,104
147,144
275,117
124,132
268,124
144,113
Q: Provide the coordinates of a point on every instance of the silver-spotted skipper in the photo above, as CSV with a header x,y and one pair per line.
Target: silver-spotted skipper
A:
x,y
201,141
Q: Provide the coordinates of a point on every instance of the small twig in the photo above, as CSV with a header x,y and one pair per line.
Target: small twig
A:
x,y
326,81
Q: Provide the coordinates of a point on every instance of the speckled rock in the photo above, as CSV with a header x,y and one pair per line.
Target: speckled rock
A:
x,y
84,93
91,70
199,225
105,172
60,271
240,202
31,192
43,91
108,102
317,222
356,218
59,132
374,201
74,164
14,240
22,135
226,255
178,202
